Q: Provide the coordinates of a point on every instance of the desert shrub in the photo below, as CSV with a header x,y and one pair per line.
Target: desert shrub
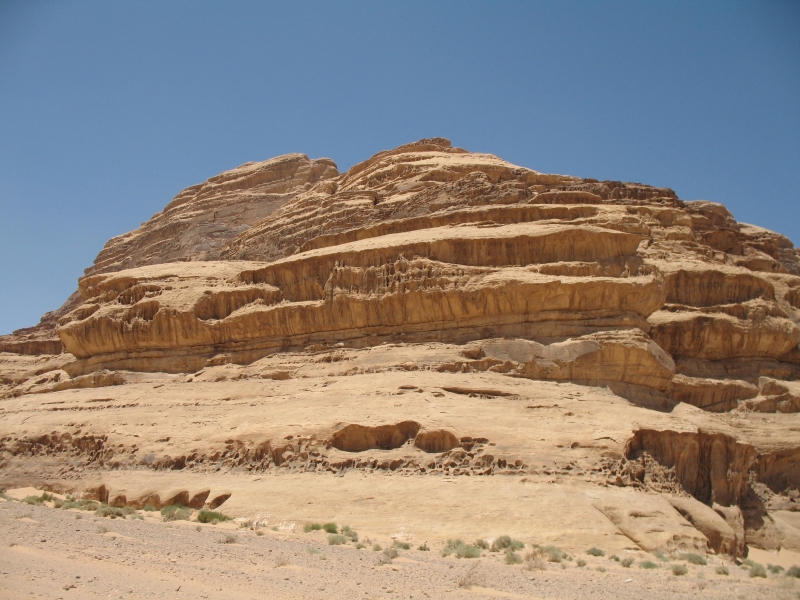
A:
x,y
149,508
312,527
679,570
460,549
210,516
614,557
423,547
512,558
660,555
775,569
551,553
626,562
35,500
746,562
401,545
336,539
580,562
595,552
330,528
482,544
693,558
104,510
648,564
467,551
722,570
376,547
601,569
505,542
758,571
228,538
450,546
176,512
391,553
101,529
360,546
793,572
347,531
470,578
534,561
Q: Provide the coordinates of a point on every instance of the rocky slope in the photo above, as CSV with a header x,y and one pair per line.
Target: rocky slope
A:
x,y
433,313
195,225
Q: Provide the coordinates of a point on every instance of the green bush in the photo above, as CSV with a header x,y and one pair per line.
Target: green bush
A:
x,y
376,547
229,538
391,553
460,549
580,562
749,563
330,528
758,571
626,562
312,527
210,516
347,531
176,512
722,570
104,510
775,569
661,556
423,547
33,500
336,539
614,557
149,508
793,572
695,559
401,545
512,558
595,552
504,542
482,544
553,553
679,570
648,564
360,546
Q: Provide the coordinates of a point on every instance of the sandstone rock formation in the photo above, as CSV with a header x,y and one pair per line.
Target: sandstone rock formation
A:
x,y
195,225
450,279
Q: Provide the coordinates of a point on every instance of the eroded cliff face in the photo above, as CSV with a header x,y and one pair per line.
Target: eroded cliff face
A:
x,y
195,225
489,282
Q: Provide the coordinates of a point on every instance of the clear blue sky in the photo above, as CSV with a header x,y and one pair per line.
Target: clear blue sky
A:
x,y
108,109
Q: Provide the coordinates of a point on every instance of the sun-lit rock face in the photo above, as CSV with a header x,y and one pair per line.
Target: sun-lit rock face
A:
x,y
431,312
201,219
433,243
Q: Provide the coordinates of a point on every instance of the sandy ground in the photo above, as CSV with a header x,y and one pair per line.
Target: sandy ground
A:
x,y
50,553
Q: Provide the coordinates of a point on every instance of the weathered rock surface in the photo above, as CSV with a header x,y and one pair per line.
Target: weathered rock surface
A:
x,y
440,313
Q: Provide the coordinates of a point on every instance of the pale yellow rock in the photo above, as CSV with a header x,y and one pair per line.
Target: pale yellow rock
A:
x,y
438,343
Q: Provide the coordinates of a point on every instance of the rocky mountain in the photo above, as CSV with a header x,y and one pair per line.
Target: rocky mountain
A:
x,y
433,315
195,225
